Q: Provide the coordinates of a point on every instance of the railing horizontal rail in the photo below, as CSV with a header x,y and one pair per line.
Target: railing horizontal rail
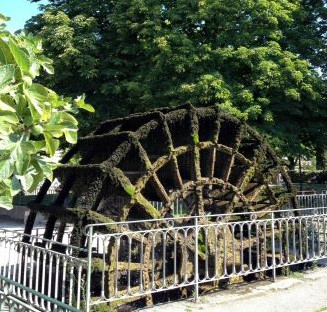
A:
x,y
7,284
314,210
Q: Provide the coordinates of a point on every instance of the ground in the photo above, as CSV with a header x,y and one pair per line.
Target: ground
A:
x,y
300,292
10,223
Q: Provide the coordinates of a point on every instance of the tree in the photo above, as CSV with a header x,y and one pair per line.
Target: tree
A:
x,y
152,53
33,118
307,37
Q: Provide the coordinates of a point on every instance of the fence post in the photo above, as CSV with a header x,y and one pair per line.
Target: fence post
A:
x,y
196,262
88,272
273,251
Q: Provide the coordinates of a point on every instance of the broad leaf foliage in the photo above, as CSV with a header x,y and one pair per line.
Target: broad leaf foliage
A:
x,y
33,118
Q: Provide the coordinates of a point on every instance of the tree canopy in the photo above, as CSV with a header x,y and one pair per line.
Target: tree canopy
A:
x,y
255,58
33,118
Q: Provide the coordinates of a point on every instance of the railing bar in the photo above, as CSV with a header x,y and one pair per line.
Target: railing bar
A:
x,y
242,248
258,246
50,277
233,248
129,265
164,234
79,285
300,239
25,271
43,276
141,264
206,251
216,252
71,281
313,238
287,243
153,261
104,247
250,247
63,288
225,250
265,244
294,240
57,277
175,257
31,279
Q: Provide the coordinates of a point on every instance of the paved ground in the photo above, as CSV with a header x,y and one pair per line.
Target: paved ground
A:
x,y
7,223
301,292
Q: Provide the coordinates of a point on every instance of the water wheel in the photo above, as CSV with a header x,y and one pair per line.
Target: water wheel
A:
x,y
185,161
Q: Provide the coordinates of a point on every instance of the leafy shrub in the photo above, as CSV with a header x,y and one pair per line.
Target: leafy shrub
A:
x,y
33,118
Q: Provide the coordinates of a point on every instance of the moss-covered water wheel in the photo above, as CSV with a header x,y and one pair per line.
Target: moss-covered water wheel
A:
x,y
138,167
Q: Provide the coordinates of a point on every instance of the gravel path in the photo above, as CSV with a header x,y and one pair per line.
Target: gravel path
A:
x,y
301,292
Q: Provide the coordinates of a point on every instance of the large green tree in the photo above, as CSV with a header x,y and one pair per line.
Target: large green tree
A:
x,y
242,55
33,118
307,37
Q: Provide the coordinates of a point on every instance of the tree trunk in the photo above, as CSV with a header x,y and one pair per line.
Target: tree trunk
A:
x,y
321,158
292,161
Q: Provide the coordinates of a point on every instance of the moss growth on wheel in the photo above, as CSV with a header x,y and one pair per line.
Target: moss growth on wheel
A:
x,y
137,167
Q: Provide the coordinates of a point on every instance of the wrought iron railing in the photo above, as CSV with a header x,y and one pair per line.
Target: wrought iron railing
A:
x,y
38,273
149,257
312,200
131,260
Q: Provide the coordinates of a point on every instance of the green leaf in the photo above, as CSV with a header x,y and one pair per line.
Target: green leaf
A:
x,y
6,169
6,56
6,106
28,80
65,117
4,18
80,103
28,181
21,105
34,69
51,144
33,147
37,179
21,58
10,117
71,136
46,64
16,185
43,167
37,130
22,163
6,202
36,96
55,130
7,73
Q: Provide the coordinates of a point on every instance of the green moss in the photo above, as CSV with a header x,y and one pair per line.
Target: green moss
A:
x,y
150,209
195,137
130,189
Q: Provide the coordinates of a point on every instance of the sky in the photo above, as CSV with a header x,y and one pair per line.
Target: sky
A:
x,y
19,11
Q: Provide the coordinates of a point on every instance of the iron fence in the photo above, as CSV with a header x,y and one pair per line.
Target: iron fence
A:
x,y
151,256
127,261
39,274
312,200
